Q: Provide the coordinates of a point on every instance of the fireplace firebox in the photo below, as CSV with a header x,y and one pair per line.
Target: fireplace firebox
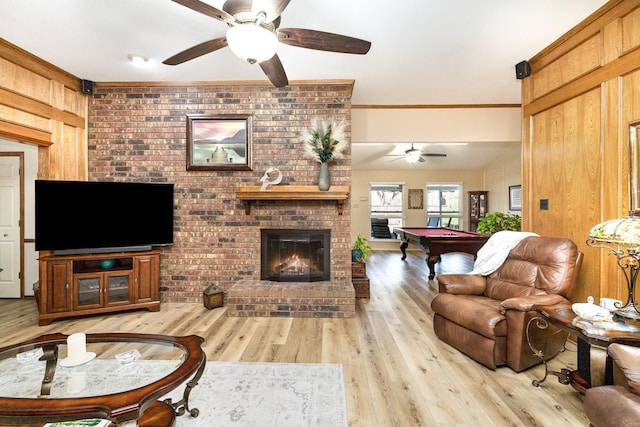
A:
x,y
295,255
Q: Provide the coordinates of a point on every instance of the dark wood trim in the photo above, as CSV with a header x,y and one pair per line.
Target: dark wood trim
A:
x,y
430,106
224,83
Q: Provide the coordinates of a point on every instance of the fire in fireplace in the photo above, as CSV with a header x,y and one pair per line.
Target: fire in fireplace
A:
x,y
295,255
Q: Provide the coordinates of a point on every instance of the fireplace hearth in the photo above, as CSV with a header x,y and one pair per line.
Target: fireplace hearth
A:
x,y
295,255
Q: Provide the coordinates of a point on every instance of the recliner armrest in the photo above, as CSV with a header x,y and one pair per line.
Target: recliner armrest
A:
x,y
627,359
461,284
527,303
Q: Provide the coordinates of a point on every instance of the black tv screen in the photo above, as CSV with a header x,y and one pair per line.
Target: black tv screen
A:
x,y
92,217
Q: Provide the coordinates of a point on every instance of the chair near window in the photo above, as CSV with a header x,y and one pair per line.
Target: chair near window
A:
x,y
380,228
433,221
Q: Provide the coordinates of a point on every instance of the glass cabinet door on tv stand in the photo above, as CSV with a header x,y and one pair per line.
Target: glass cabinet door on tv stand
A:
x,y
101,289
478,207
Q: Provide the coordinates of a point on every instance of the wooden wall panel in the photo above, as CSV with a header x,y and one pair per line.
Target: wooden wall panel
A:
x,y
75,102
580,115
565,170
24,118
577,62
25,82
42,104
631,31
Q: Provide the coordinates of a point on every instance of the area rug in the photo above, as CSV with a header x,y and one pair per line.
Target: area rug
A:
x,y
228,394
268,394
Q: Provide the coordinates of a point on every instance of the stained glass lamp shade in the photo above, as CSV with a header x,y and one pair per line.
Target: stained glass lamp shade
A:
x,y
622,238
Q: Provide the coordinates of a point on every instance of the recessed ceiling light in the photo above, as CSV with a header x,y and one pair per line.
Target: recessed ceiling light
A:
x,y
137,59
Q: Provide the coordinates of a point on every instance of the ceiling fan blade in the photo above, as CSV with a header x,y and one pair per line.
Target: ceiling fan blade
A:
x,y
196,51
319,40
421,160
206,9
275,71
434,154
273,8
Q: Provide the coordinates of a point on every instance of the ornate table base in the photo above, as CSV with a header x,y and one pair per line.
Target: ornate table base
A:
x,y
564,375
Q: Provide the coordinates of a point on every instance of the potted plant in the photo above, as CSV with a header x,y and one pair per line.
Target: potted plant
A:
x,y
498,221
324,142
360,249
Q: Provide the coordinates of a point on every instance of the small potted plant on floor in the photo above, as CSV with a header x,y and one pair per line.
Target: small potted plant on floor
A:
x,y
360,249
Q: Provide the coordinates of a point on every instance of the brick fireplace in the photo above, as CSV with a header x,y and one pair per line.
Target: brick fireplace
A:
x,y
295,279
295,255
138,133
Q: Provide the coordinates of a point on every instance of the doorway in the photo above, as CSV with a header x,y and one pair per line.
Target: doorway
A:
x,y
11,220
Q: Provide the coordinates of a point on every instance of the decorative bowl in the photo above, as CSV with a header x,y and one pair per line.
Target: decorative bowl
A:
x,y
590,311
107,263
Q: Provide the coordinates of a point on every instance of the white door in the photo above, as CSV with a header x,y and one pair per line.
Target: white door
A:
x,y
10,227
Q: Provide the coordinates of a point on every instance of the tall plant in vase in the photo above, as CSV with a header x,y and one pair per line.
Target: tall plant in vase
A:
x,y
323,142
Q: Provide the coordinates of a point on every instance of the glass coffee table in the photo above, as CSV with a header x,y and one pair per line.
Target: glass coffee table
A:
x,y
121,379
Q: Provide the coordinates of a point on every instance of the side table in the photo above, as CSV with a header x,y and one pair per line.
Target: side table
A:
x,y
589,333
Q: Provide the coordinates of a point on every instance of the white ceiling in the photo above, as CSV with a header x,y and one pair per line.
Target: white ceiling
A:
x,y
423,51
460,156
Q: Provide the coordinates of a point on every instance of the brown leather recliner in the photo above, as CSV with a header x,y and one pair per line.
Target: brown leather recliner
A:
x,y
618,404
486,317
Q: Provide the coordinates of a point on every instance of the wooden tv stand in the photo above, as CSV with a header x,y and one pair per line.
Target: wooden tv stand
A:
x,y
77,285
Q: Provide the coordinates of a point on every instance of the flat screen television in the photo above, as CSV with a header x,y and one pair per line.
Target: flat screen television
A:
x,y
76,217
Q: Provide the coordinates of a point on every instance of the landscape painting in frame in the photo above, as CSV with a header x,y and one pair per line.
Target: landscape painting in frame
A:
x,y
219,143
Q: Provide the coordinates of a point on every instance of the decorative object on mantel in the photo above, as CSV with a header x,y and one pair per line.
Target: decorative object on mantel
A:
x,y
265,178
323,142
622,238
360,250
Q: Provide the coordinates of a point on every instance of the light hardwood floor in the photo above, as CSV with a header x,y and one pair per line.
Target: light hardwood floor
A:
x,y
397,373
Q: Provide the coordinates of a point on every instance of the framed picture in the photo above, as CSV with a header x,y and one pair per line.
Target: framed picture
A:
x,y
416,198
219,142
515,197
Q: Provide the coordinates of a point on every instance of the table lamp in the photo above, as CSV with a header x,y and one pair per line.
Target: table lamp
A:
x,y
622,238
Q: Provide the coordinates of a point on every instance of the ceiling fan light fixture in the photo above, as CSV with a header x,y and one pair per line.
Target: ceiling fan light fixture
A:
x,y
137,59
252,42
413,156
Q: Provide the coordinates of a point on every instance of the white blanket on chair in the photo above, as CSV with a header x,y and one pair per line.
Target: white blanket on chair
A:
x,y
493,253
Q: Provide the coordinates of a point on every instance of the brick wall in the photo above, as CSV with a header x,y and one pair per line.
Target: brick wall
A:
x,y
138,133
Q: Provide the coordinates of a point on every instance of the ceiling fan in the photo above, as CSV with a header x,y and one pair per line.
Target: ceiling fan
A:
x,y
254,35
413,155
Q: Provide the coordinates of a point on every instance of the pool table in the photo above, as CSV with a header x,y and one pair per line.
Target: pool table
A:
x,y
439,240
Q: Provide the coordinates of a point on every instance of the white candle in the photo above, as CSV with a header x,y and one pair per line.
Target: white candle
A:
x,y
76,348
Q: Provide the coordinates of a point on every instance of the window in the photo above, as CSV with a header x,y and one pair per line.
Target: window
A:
x,y
386,204
445,204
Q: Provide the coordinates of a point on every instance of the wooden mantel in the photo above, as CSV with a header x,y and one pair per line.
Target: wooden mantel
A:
x,y
293,192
